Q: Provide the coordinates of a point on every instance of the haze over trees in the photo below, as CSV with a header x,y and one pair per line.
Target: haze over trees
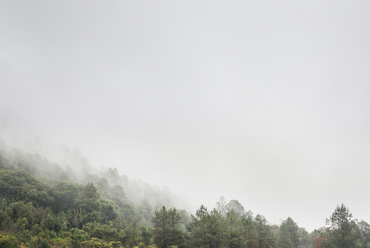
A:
x,y
44,205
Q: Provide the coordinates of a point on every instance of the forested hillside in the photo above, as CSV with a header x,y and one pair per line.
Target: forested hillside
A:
x,y
45,205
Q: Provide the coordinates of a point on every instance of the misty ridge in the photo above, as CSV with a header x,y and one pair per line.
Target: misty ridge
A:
x,y
73,167
52,195
74,204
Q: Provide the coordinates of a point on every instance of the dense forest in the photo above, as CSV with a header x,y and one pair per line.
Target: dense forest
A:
x,y
45,205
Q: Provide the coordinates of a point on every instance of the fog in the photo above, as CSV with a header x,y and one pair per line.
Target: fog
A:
x,y
263,102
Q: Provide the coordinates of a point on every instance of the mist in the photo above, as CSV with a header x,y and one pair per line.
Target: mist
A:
x,y
266,103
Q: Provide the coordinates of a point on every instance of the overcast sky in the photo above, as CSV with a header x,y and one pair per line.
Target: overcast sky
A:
x,y
266,102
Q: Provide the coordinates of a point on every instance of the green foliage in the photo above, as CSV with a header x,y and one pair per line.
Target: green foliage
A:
x,y
21,186
293,231
4,204
8,241
342,231
108,211
61,241
284,240
250,231
50,222
363,228
77,237
43,243
115,244
96,243
146,234
265,236
208,229
235,237
166,228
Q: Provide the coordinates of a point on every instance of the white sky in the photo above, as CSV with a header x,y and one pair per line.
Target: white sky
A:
x,y
266,102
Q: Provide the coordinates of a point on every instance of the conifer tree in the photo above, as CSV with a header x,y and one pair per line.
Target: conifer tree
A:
x,y
166,228
284,240
342,231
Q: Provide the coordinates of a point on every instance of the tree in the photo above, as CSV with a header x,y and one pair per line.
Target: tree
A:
x,y
236,206
364,230
250,232
50,222
208,229
293,231
235,237
284,240
89,198
8,241
166,228
265,237
304,239
318,242
221,206
342,229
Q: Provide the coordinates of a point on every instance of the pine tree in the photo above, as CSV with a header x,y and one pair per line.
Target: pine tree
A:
x,y
284,240
342,229
208,229
166,228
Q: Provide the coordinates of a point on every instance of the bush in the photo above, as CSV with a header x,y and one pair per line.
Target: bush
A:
x,y
115,244
8,241
44,244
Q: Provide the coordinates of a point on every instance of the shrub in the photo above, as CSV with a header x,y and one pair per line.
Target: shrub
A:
x,y
44,244
8,241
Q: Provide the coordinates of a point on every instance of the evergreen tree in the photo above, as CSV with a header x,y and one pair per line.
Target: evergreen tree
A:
x,y
166,228
265,237
293,231
364,230
250,232
342,231
236,206
208,229
235,237
50,222
284,240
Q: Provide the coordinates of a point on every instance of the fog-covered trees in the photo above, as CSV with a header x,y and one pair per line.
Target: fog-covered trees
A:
x,y
56,211
236,233
265,236
364,230
284,240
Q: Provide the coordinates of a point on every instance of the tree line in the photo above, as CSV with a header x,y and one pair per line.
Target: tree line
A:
x,y
237,229
40,210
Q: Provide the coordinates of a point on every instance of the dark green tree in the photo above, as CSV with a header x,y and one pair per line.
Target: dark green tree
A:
x,y
293,231
250,232
364,230
304,238
284,240
236,231
208,229
146,234
265,236
342,231
166,228
88,199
